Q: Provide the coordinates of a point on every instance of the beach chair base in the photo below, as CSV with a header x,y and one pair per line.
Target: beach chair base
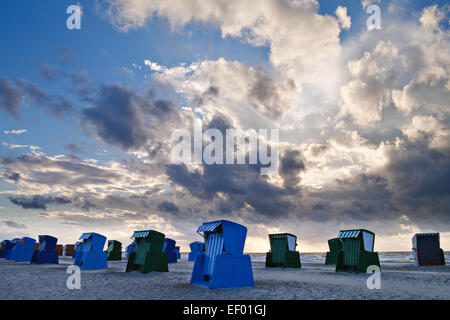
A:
x,y
25,255
229,272
291,260
91,260
154,261
331,258
42,257
365,260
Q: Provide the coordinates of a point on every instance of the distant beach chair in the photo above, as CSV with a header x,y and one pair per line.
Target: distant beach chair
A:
x,y
12,253
25,249
177,252
91,256
223,264
149,255
46,253
59,248
130,248
331,257
355,253
169,249
197,247
68,250
77,247
426,250
5,247
114,251
282,251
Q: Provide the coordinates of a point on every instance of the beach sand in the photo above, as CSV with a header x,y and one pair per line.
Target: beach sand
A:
x,y
314,281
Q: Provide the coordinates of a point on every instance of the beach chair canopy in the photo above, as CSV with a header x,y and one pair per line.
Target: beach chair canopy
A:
x,y
114,244
230,236
197,247
367,237
426,249
93,241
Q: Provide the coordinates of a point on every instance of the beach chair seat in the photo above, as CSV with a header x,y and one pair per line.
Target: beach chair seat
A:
x,y
25,248
223,264
91,255
169,249
5,247
196,247
426,250
331,257
46,252
355,252
282,251
149,255
114,251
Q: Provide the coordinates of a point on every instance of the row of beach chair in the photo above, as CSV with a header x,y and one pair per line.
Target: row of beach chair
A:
x,y
219,261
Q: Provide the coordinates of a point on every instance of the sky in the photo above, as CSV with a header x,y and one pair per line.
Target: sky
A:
x,y
87,115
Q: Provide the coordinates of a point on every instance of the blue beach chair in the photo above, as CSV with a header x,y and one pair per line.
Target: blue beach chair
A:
x,y
223,264
25,249
5,247
46,253
130,248
177,252
12,253
197,247
91,256
169,249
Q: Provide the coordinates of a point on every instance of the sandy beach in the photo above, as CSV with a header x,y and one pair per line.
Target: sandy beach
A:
x,y
314,281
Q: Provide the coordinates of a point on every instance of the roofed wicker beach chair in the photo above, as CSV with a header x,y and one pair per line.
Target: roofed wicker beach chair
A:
x,y
59,248
5,247
355,253
130,248
223,264
282,251
68,250
427,250
197,247
114,251
91,256
12,253
46,253
25,249
169,249
149,255
77,247
331,257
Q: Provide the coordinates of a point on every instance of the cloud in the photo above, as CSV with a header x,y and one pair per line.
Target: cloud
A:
x,y
38,202
10,98
15,131
14,225
344,20
123,118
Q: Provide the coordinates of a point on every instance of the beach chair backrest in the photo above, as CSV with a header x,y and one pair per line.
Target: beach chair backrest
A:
x,y
47,243
279,244
333,244
427,245
142,248
352,248
214,245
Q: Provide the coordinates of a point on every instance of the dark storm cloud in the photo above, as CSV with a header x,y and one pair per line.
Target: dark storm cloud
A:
x,y
38,202
168,206
123,118
291,165
14,225
10,97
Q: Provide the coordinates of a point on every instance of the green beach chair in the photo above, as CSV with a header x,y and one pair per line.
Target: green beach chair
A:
x,y
331,257
355,251
149,255
114,251
282,251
